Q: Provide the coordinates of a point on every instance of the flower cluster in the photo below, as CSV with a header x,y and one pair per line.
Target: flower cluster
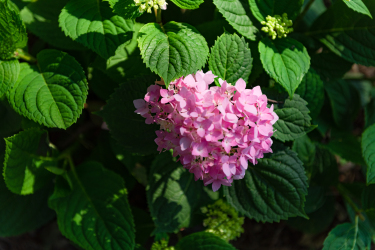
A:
x,y
277,26
215,130
146,5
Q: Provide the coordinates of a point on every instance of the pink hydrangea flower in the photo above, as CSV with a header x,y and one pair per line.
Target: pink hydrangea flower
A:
x,y
215,131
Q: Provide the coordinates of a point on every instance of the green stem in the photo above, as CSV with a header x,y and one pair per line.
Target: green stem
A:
x,y
158,17
302,15
344,194
25,56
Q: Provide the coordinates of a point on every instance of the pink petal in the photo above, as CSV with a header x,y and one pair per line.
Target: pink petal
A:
x,y
240,85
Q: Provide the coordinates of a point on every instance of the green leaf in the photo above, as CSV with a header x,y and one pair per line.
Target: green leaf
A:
x,y
370,110
9,71
294,120
368,152
325,170
272,190
188,4
286,60
24,171
318,220
53,93
41,18
127,127
235,13
311,90
173,51
329,65
172,194
346,236
358,5
13,120
125,8
263,8
203,241
127,63
305,150
93,24
230,58
345,102
94,213
347,33
12,31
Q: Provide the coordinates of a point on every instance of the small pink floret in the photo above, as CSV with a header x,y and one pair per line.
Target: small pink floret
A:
x,y
216,131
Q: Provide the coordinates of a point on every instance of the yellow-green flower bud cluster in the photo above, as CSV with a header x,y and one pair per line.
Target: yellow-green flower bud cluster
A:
x,y
147,5
277,26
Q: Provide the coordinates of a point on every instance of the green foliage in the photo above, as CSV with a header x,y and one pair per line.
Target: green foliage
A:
x,y
235,13
23,213
230,58
263,8
179,48
128,128
359,6
294,120
347,33
202,241
41,18
12,31
53,93
311,90
92,208
125,8
24,171
98,29
286,60
272,190
9,70
347,237
172,194
368,149
223,221
188,4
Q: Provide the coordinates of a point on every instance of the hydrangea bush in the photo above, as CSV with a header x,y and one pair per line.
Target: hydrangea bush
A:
x,y
187,124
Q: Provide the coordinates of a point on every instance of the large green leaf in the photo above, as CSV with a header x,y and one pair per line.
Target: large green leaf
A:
x,y
24,171
53,93
345,102
41,18
286,60
263,8
368,151
347,236
230,58
329,65
311,90
306,152
358,5
94,212
127,127
127,63
20,214
203,241
125,8
12,31
235,13
294,120
9,71
13,120
172,194
272,190
93,24
188,4
349,34
173,51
